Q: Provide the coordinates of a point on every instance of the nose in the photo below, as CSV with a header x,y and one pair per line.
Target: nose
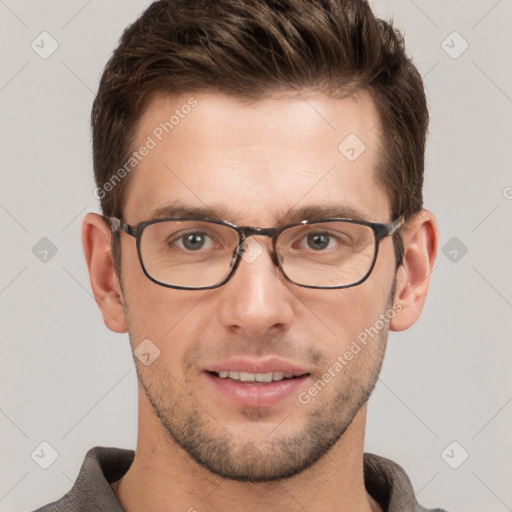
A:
x,y
257,299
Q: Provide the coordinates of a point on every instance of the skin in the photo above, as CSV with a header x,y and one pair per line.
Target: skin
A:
x,y
259,161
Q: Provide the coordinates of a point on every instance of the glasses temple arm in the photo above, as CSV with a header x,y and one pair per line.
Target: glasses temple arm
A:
x,y
393,226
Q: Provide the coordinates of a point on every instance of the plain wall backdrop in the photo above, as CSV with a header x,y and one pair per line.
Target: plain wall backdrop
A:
x,y
445,390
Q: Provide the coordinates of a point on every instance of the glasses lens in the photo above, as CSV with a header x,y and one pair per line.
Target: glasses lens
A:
x,y
190,254
327,254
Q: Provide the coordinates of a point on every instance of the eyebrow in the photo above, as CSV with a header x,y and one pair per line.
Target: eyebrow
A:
x,y
315,212
178,209
218,212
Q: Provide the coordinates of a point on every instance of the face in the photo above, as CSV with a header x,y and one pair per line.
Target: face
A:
x,y
257,165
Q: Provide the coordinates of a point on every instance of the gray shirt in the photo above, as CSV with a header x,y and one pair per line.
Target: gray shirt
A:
x,y
385,481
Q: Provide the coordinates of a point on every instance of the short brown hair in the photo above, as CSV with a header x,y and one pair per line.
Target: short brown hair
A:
x,y
250,49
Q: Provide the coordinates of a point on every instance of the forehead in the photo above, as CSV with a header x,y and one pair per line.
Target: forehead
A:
x,y
256,161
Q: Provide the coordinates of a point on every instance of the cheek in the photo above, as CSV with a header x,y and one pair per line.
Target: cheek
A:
x,y
166,316
173,320
345,313
353,325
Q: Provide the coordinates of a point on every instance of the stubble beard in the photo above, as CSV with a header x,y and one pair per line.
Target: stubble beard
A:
x,y
188,424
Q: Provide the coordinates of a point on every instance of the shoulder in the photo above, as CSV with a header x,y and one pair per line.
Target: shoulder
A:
x,y
91,491
389,485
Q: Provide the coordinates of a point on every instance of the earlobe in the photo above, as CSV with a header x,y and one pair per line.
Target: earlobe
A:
x,y
420,238
96,236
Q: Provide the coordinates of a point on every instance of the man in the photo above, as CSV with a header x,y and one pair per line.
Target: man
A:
x,y
260,170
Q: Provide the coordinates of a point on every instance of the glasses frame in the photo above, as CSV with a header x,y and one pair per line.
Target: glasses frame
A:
x,y
380,232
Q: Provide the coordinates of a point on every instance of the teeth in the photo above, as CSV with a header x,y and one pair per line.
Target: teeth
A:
x,y
255,377
277,375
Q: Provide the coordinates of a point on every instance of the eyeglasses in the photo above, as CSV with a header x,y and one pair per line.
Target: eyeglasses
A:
x,y
198,254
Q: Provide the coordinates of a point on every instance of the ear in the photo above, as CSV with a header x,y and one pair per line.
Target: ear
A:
x,y
96,237
420,238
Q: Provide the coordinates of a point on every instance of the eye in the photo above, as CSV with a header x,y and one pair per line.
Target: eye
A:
x,y
318,241
193,241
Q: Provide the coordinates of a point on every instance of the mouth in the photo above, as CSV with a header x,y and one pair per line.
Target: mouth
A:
x,y
256,385
256,378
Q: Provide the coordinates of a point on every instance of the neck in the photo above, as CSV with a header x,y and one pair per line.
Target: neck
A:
x,y
163,477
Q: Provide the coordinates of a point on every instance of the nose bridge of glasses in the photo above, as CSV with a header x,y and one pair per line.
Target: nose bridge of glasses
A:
x,y
248,231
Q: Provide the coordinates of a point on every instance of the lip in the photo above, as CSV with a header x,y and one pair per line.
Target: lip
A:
x,y
269,364
256,395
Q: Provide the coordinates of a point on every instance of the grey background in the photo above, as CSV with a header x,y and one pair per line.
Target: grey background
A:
x,y
67,380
